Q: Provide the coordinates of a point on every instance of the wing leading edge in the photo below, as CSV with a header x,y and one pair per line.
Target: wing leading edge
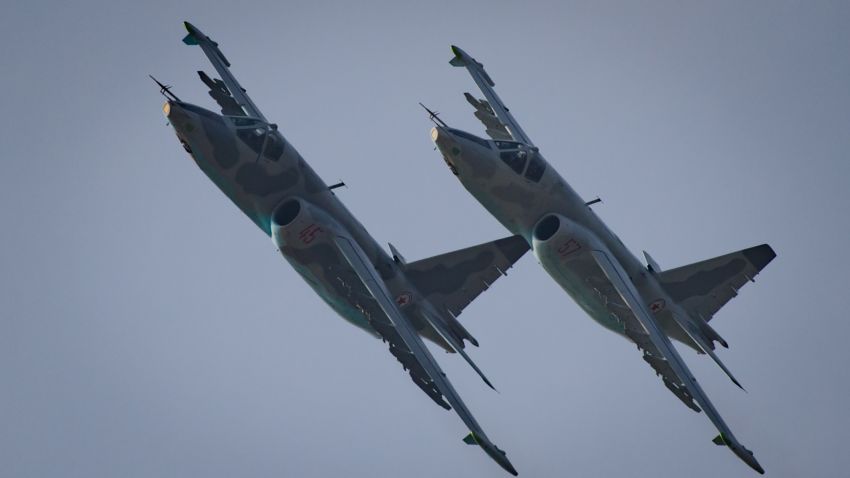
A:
x,y
420,359
669,357
221,65
493,104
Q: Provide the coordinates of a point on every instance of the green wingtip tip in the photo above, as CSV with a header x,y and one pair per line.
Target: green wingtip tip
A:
x,y
718,440
470,439
457,60
189,39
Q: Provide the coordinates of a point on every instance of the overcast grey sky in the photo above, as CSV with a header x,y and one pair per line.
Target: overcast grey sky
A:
x,y
147,328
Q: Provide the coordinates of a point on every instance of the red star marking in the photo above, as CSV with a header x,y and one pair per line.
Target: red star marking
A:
x,y
402,299
656,306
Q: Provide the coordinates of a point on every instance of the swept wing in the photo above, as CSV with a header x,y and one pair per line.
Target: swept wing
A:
x,y
664,358
221,65
409,348
485,110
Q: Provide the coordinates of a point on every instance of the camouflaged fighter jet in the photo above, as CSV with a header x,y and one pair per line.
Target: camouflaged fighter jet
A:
x,y
509,177
398,302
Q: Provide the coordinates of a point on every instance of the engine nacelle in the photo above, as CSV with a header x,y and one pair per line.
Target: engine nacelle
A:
x,y
556,239
299,224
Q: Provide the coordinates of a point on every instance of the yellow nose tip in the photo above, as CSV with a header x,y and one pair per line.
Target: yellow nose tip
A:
x,y
434,134
166,108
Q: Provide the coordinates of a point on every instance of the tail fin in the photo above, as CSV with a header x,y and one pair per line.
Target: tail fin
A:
x,y
702,288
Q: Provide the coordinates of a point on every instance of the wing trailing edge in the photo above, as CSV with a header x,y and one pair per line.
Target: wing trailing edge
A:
x,y
667,353
415,352
702,288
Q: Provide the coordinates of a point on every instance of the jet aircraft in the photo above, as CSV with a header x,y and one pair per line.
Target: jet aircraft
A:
x,y
397,301
508,175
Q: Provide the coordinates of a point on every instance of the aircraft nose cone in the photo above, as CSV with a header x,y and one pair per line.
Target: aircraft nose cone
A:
x,y
180,121
173,110
184,118
445,141
448,147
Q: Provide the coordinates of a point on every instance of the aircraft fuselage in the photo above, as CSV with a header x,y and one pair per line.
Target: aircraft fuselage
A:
x,y
254,165
520,189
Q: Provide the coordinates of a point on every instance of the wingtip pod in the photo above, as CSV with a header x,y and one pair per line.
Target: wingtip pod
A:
x,y
197,37
190,38
748,458
740,451
492,451
458,59
462,58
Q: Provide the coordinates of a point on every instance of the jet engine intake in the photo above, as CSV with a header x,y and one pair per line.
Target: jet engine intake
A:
x,y
547,227
299,224
556,239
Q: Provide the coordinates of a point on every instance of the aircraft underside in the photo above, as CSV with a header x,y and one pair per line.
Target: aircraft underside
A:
x,y
341,294
585,282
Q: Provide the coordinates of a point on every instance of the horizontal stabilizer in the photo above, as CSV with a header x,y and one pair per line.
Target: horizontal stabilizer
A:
x,y
452,280
704,287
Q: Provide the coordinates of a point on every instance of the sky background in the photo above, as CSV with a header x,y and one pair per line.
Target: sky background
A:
x,y
147,328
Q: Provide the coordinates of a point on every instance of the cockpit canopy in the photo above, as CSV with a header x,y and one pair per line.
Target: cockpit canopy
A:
x,y
507,144
244,121
518,160
522,160
259,136
471,137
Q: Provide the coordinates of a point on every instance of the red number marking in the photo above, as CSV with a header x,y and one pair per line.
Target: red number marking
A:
x,y
569,247
308,234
